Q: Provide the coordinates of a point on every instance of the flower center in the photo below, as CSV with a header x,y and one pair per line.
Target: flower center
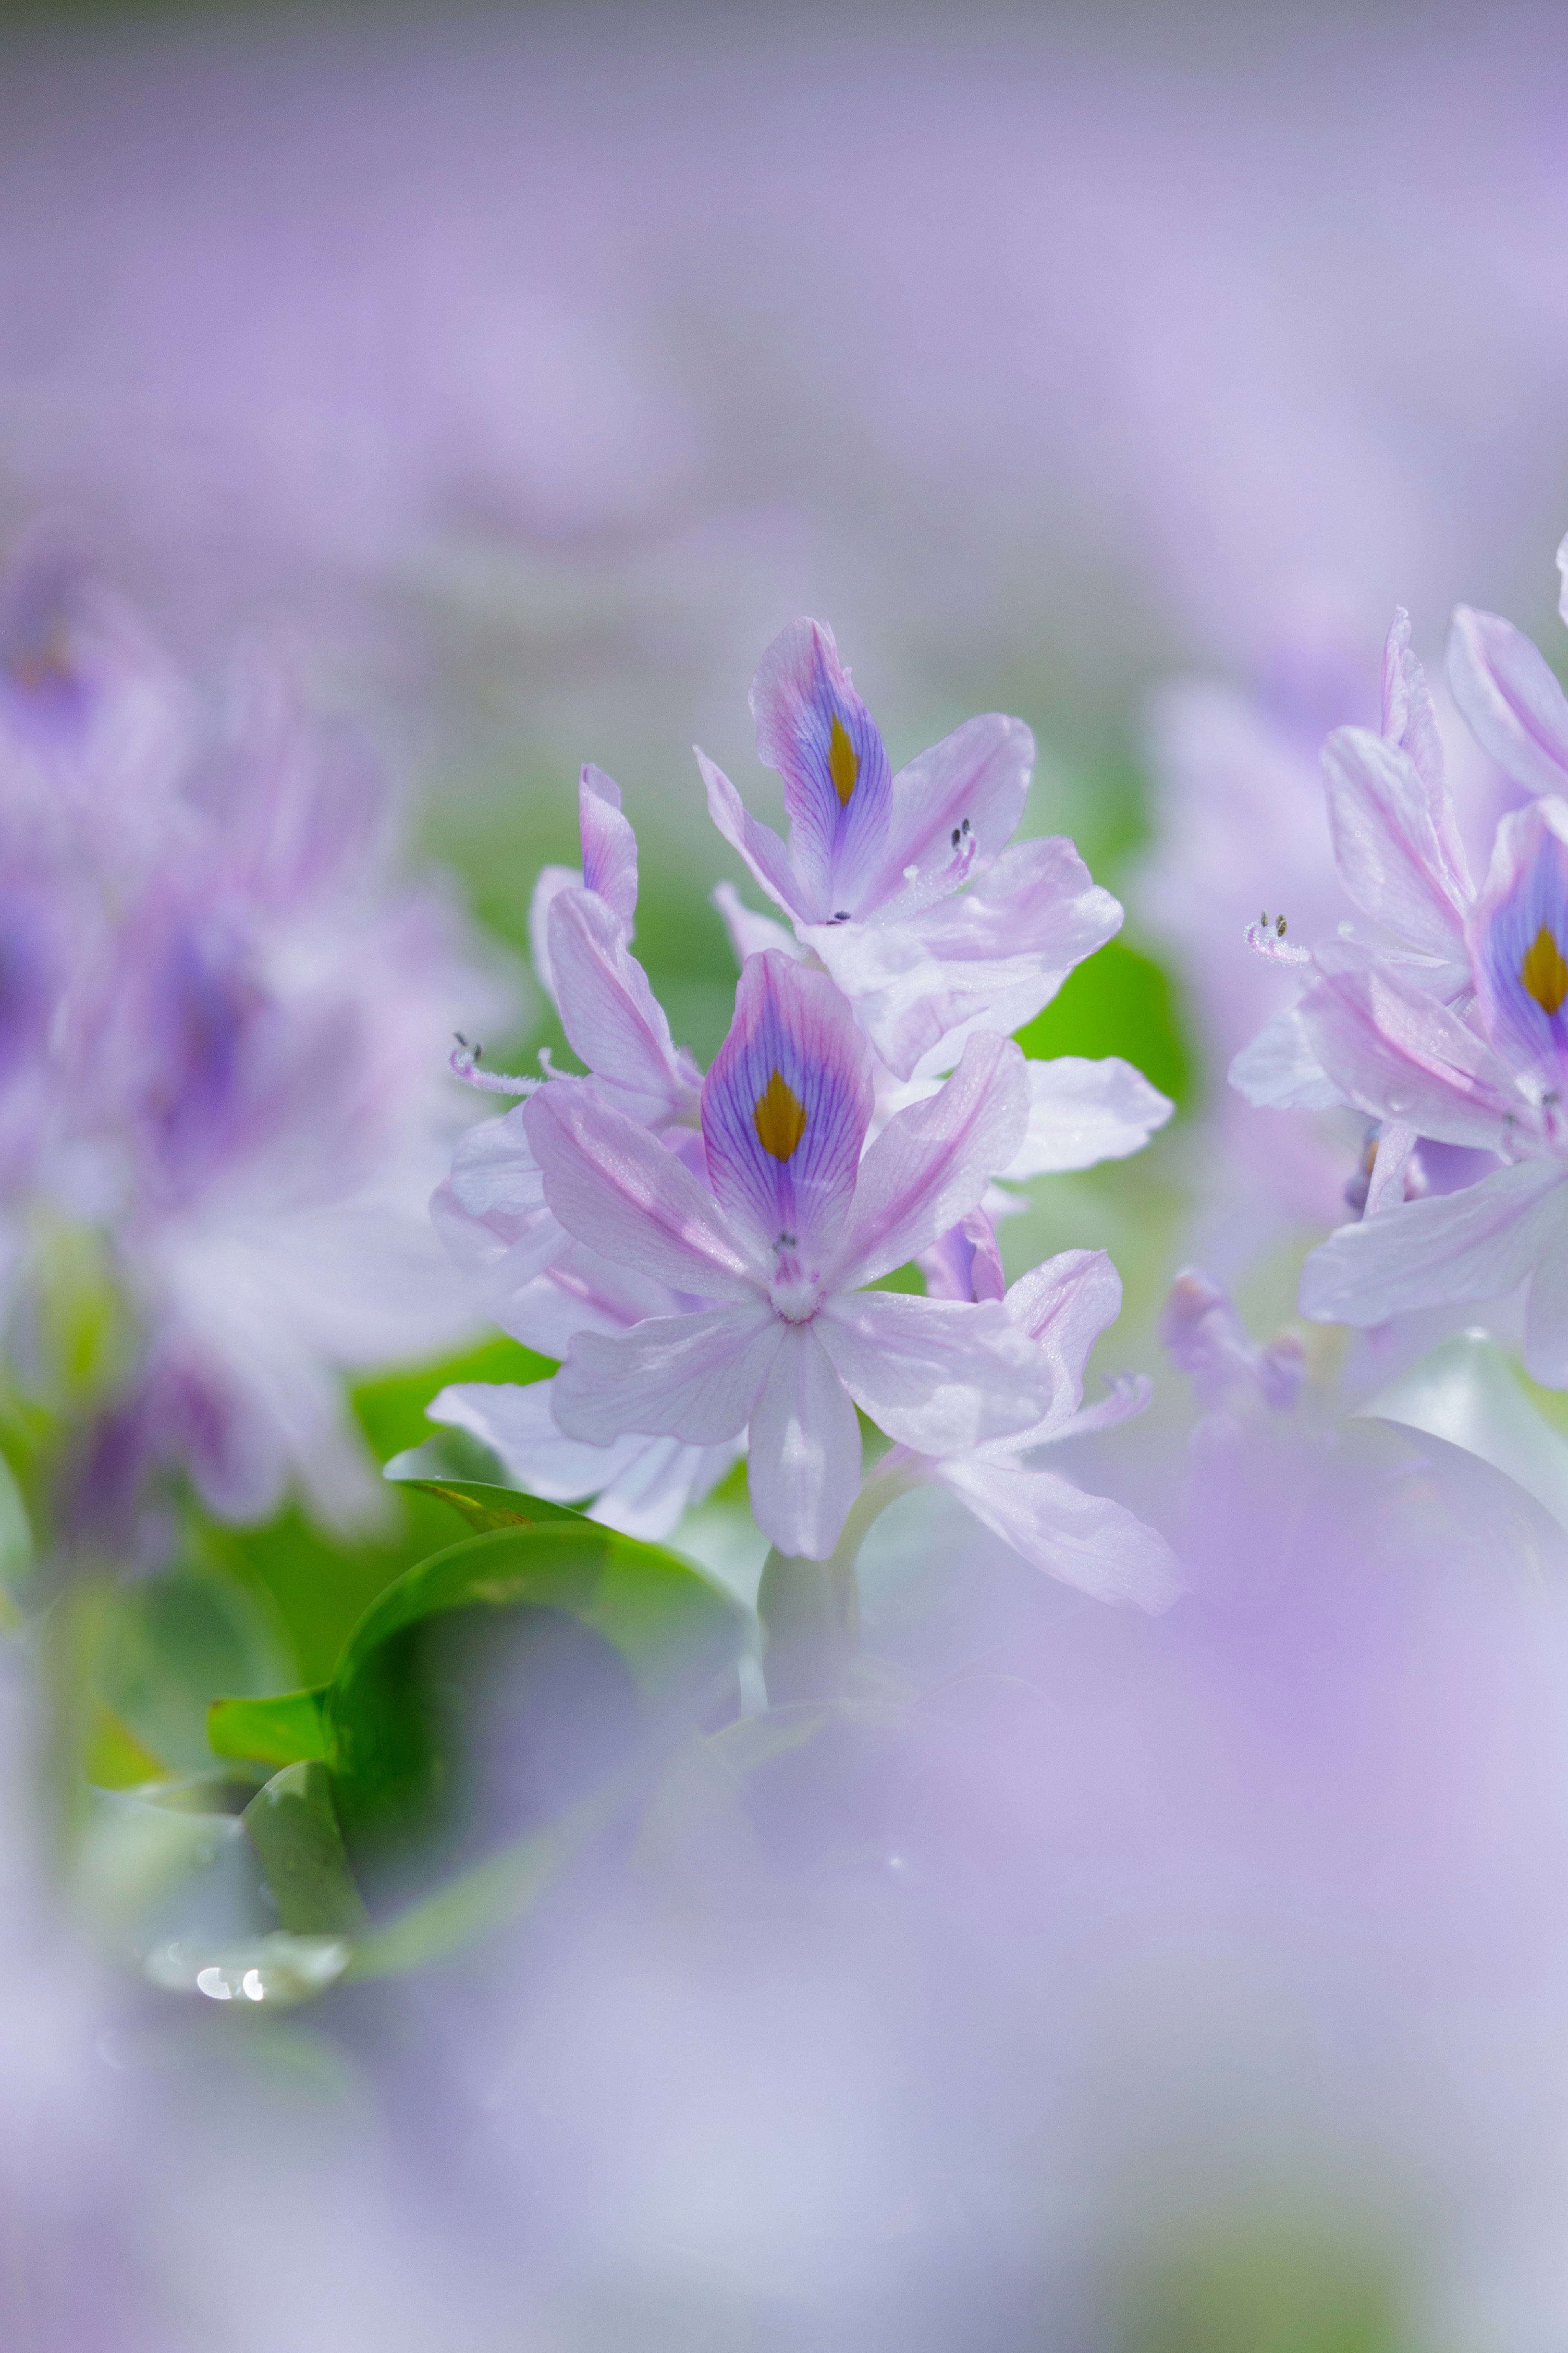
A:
x,y
843,761
779,1118
1543,972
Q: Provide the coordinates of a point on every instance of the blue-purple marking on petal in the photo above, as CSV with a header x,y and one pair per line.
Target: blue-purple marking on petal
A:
x,y
787,1105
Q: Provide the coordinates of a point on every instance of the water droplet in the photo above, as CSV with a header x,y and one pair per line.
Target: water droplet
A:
x,y
1400,1101
278,1968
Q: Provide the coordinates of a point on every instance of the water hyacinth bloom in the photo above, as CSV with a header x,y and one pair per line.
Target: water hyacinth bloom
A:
x,y
221,1071
783,1228
903,887
1491,1078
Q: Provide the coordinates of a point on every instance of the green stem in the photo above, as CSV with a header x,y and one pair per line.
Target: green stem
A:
x,y
810,1610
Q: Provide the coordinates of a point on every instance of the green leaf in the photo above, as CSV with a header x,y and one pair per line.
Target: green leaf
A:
x,y
436,1469
1118,1002
287,1729
491,1690
115,1758
294,1831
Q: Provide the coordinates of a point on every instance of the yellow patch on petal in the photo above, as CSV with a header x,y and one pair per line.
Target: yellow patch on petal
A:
x,y
1544,973
779,1118
843,762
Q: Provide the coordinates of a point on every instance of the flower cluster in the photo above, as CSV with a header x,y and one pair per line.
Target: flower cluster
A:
x,y
1441,1015
218,1011
702,1252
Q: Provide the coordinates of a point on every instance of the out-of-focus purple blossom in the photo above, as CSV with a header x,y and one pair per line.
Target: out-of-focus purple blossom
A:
x,y
1109,361
222,1058
904,888
1206,1340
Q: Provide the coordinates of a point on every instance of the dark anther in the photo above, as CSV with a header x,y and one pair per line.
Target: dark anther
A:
x,y
957,836
964,826
842,916
1279,928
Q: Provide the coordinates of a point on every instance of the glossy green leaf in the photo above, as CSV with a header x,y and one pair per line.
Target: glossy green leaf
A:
x,y
294,1830
486,1508
489,1691
1117,1002
287,1729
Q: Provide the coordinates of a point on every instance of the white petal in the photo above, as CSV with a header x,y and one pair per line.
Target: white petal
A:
x,y
804,1452
1391,859
932,1162
696,1377
1087,1541
610,1016
758,844
987,959
1280,1072
616,1188
1084,1112
1063,1306
1460,1246
640,1485
494,1169
750,933
939,1375
1515,707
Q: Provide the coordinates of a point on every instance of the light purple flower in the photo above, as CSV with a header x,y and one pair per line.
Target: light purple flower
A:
x,y
787,1229
1491,1077
874,877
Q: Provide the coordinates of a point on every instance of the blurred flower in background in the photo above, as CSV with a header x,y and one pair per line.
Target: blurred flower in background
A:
x,y
225,1097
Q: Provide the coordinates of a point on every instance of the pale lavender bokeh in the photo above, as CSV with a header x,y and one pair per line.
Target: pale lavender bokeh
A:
x,y
577,350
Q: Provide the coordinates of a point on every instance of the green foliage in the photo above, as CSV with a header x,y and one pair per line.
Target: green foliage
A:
x,y
287,1729
493,1684
321,1585
1119,1002
493,1712
294,1831
1264,2285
